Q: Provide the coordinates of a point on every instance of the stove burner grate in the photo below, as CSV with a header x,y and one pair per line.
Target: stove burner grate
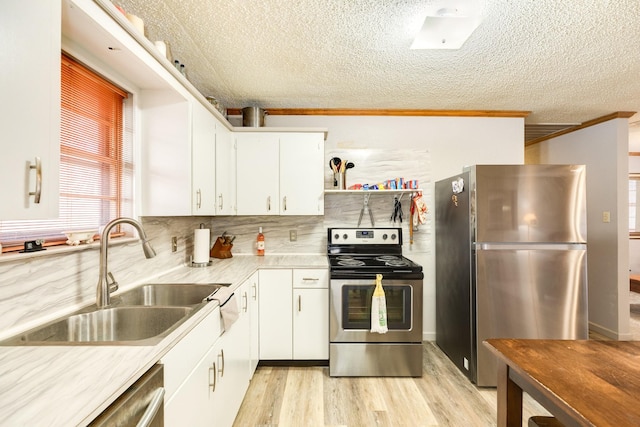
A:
x,y
350,262
396,263
387,258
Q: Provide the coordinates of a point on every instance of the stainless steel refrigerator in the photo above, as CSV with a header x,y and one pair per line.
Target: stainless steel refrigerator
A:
x,y
511,260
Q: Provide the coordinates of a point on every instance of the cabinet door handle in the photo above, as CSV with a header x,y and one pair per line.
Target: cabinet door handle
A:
x,y
284,202
299,302
269,204
38,191
199,198
212,369
221,364
221,201
255,291
246,301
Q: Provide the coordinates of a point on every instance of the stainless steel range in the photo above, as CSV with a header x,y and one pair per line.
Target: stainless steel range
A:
x,y
356,255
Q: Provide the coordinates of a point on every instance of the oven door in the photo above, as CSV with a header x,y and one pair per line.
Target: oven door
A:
x,y
350,311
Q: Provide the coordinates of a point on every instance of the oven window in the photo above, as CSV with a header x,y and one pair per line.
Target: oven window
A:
x,y
356,306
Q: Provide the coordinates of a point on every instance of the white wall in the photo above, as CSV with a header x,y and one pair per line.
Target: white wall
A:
x,y
603,148
446,144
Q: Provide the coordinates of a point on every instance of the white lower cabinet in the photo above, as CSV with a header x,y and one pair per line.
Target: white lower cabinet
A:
x,y
283,314
276,320
201,394
310,324
254,319
207,374
294,314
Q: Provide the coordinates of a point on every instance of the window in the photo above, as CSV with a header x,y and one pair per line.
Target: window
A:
x,y
96,167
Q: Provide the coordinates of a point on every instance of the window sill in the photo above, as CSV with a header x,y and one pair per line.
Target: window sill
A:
x,y
62,249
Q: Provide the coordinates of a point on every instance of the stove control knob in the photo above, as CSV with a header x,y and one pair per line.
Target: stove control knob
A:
x,y
393,237
344,236
384,236
336,236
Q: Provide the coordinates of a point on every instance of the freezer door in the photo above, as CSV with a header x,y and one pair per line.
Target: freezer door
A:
x,y
529,203
538,293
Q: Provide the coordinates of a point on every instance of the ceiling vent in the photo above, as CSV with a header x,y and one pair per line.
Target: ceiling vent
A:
x,y
535,131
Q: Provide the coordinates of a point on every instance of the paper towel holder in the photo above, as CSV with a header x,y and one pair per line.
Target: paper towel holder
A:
x,y
192,263
198,264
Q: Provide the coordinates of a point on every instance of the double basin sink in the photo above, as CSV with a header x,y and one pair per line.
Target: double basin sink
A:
x,y
140,316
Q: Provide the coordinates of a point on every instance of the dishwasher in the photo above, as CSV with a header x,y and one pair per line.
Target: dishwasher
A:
x,y
141,405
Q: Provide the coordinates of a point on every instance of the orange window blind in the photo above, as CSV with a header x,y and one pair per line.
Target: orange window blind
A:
x,y
95,168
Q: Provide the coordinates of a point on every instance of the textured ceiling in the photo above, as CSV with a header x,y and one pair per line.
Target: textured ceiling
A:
x,y
565,61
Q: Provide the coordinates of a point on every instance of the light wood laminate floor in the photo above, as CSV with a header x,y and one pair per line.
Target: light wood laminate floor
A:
x,y
307,396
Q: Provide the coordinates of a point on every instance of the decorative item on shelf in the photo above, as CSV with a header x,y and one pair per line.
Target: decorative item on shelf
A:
x,y
221,108
164,49
222,247
137,22
391,184
33,246
339,168
74,238
253,117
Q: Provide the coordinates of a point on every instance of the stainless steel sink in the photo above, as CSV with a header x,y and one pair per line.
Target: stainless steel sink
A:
x,y
163,294
112,325
140,316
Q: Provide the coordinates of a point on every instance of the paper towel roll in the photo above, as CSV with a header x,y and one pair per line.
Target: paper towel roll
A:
x,y
201,245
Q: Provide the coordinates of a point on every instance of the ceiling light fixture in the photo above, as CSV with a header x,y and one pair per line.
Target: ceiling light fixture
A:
x,y
448,26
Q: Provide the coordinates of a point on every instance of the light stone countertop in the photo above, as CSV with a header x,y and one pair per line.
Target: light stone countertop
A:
x,y
71,385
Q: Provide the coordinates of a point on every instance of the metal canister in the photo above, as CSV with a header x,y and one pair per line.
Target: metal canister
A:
x,y
253,117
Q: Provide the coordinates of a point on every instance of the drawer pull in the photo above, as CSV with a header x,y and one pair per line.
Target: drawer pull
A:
x,y
310,279
221,364
246,301
212,369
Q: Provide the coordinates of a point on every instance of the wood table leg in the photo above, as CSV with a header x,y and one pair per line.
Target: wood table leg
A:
x,y
509,399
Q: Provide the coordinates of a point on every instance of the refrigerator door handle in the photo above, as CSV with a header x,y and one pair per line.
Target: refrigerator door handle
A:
x,y
529,246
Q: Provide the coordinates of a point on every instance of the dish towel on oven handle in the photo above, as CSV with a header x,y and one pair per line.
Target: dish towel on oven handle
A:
x,y
378,308
228,306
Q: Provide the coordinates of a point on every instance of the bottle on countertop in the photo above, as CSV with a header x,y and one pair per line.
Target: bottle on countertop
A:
x,y
260,242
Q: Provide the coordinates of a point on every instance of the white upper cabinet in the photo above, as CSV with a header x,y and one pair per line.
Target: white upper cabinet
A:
x,y
30,122
225,172
280,173
258,173
166,154
301,174
203,162
178,155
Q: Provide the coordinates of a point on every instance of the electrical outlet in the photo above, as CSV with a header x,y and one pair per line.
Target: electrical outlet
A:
x,y
293,235
174,244
606,216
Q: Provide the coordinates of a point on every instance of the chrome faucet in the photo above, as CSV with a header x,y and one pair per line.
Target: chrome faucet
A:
x,y
105,287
